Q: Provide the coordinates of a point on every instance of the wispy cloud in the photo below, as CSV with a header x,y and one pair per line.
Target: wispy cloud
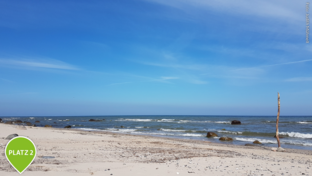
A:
x,y
261,67
288,63
181,66
269,9
299,79
38,63
168,78
222,71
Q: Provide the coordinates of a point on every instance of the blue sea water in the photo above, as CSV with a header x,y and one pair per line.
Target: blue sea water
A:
x,y
296,130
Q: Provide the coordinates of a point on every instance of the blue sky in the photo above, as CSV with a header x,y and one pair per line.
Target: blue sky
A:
x,y
154,57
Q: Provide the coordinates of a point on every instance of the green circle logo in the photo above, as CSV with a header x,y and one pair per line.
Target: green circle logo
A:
x,y
20,152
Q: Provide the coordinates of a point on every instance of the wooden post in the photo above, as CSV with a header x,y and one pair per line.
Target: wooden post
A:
x,y
277,119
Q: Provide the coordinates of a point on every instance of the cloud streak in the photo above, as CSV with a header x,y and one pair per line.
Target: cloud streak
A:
x,y
299,79
288,11
47,63
288,63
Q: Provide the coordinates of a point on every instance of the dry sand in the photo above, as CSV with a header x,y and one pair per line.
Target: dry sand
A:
x,y
102,153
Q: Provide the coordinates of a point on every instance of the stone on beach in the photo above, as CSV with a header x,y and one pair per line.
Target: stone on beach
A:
x,y
257,142
0,120
236,122
211,134
11,136
225,139
47,126
68,126
8,122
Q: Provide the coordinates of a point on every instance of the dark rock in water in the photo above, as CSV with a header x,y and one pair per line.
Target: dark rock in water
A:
x,y
68,126
95,120
11,136
158,129
34,125
28,124
0,120
18,121
121,126
8,122
225,139
54,122
251,145
223,129
257,142
236,122
211,134
279,136
37,121
103,119
47,126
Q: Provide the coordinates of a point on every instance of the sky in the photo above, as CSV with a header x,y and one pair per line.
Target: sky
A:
x,y
154,57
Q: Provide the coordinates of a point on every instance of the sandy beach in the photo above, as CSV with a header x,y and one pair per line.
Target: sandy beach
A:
x,y
74,152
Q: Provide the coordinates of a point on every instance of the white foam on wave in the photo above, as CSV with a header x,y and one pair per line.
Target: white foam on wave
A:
x,y
111,129
136,120
225,122
253,139
207,121
162,134
298,143
193,121
89,129
297,135
126,130
230,132
31,117
305,122
162,129
190,134
139,127
166,120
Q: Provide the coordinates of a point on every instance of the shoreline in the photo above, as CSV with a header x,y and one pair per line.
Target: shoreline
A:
x,y
295,132
78,152
224,143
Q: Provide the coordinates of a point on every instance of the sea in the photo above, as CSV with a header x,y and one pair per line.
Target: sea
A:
x,y
295,130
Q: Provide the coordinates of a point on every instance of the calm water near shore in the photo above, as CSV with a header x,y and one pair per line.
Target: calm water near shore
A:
x,y
296,130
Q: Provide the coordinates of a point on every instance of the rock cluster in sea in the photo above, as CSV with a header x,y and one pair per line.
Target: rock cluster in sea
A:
x,y
225,139
95,120
212,134
236,122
